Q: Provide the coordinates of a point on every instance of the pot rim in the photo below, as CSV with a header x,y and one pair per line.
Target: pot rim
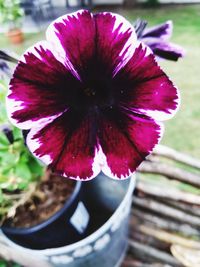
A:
x,y
89,239
54,217
14,31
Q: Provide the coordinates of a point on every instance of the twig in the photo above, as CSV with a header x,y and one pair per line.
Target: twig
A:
x,y
135,263
170,153
191,209
169,237
165,224
169,171
23,200
8,57
13,197
137,235
147,251
189,257
170,212
169,192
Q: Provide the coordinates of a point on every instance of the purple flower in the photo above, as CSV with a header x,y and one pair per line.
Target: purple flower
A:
x,y
157,38
92,97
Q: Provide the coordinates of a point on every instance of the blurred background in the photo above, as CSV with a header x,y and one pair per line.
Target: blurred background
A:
x,y
23,23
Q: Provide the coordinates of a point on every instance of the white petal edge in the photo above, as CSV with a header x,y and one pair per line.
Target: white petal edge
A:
x,y
34,144
106,169
132,42
96,168
12,105
158,115
55,42
45,45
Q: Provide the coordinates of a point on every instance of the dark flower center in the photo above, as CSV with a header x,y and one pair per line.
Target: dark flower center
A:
x,y
97,90
89,92
98,93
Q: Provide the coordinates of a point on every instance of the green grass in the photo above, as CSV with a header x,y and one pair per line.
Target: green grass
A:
x,y
183,131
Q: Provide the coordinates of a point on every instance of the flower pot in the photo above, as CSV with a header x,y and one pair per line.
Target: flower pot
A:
x,y
15,36
106,246
58,230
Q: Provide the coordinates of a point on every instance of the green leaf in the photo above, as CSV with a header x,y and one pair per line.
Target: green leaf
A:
x,y
3,263
17,133
1,196
9,159
3,179
3,140
35,167
23,171
24,157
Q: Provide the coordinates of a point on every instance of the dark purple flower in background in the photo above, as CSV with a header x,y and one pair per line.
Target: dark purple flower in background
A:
x,y
157,38
92,97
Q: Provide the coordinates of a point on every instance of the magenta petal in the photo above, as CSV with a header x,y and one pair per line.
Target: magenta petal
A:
x,y
39,88
66,146
146,88
103,39
126,146
76,34
115,39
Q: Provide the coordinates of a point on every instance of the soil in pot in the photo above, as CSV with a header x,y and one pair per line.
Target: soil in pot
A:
x,y
50,196
29,226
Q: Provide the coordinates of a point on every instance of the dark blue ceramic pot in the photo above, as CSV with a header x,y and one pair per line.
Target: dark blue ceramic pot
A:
x,y
66,226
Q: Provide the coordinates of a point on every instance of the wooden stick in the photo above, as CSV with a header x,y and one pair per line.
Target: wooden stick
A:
x,y
165,224
137,235
8,57
189,257
158,255
167,211
169,171
191,209
169,193
170,153
26,196
169,237
136,263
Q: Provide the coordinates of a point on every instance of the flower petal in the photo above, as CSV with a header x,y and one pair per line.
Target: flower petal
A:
x,y
162,31
103,39
74,36
116,40
145,88
67,146
126,141
39,89
167,50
